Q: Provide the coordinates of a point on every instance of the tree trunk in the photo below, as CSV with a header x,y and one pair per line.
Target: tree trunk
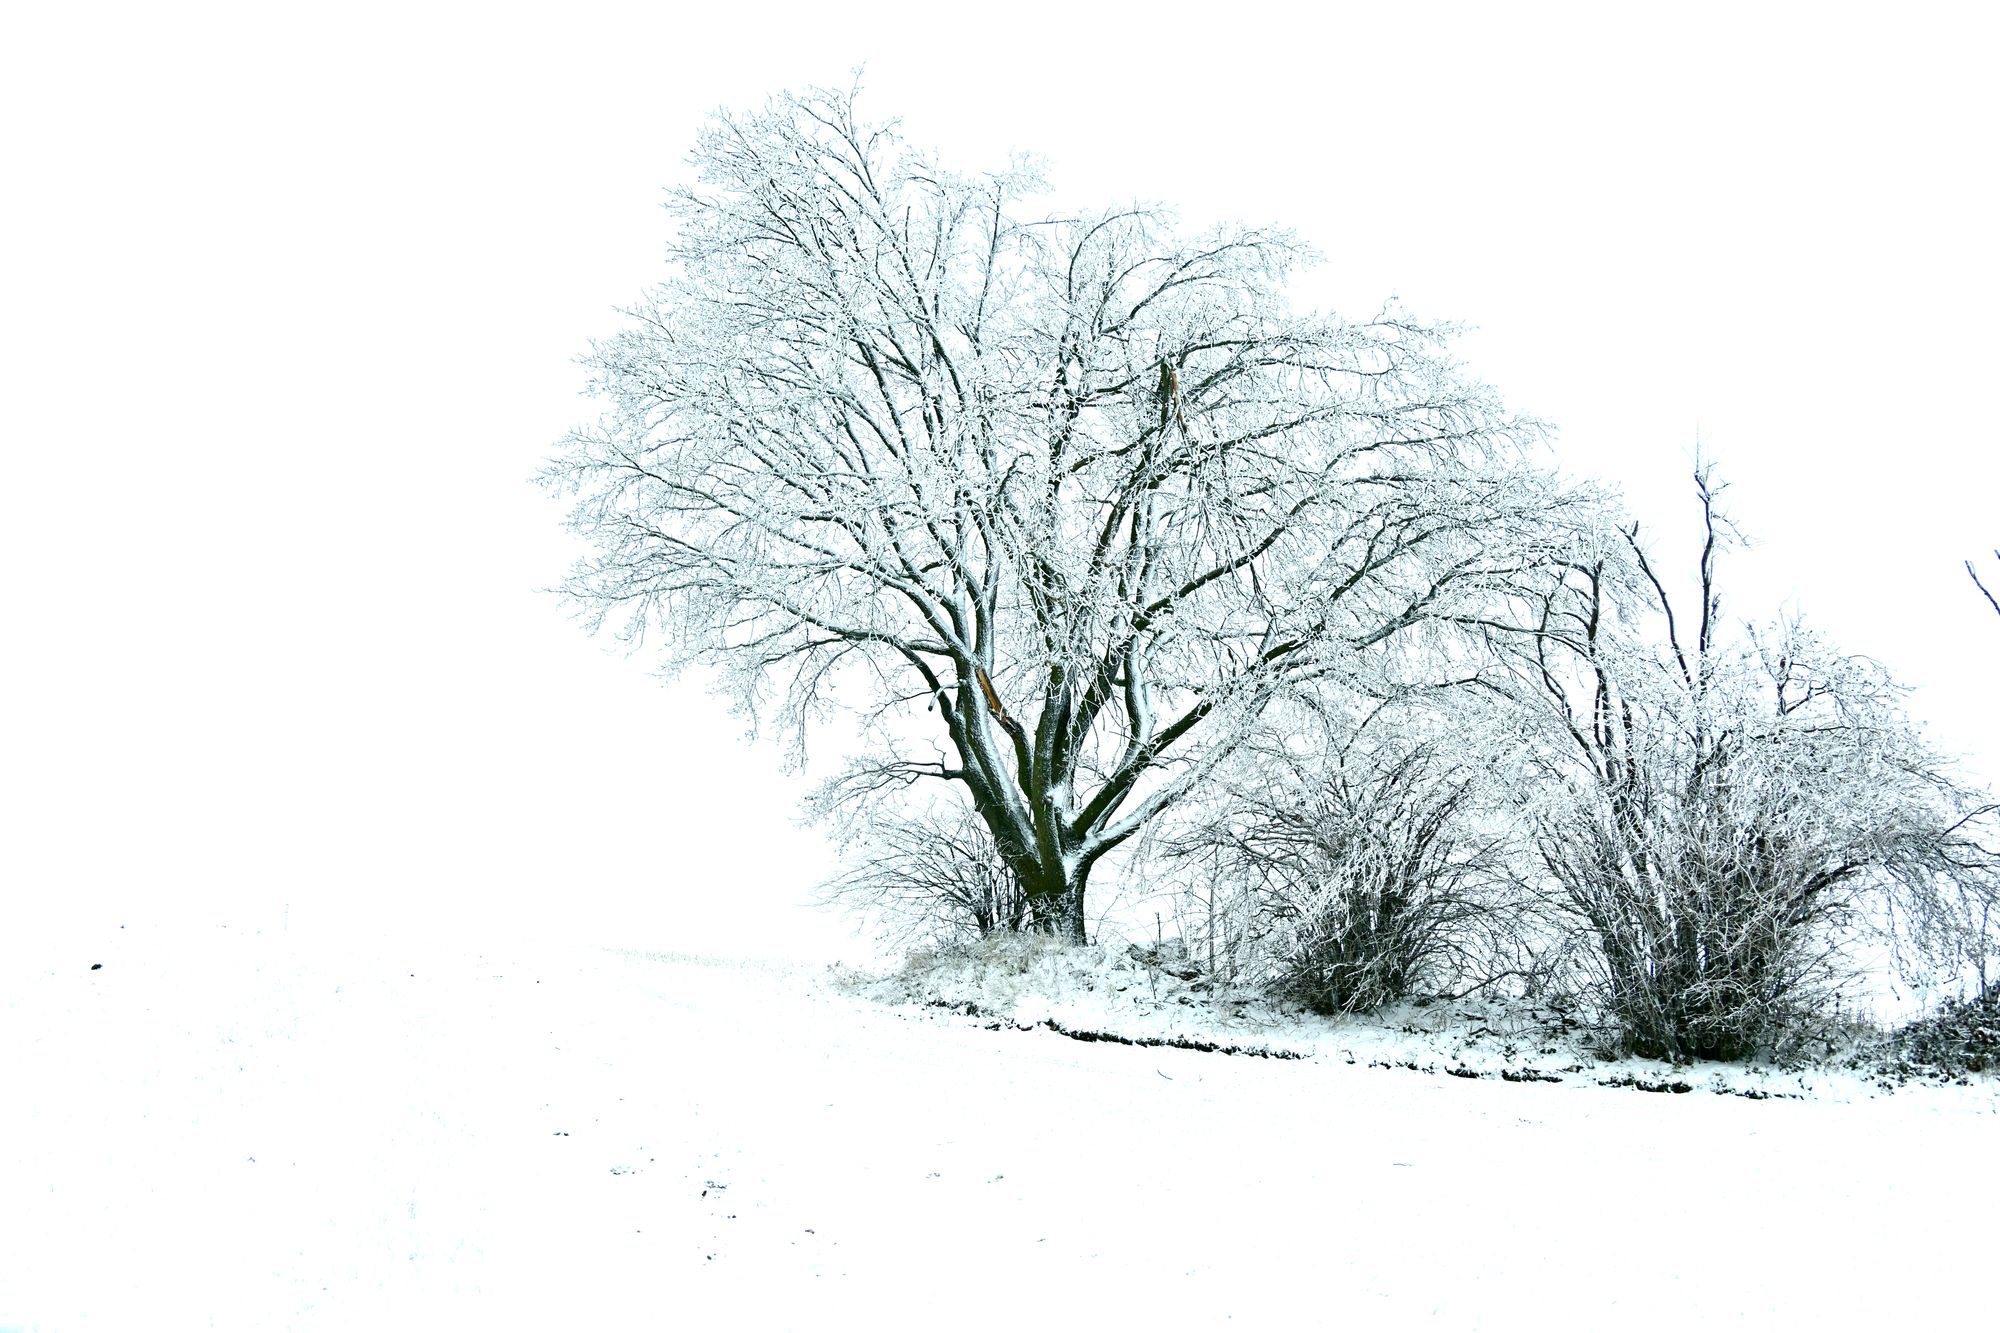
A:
x,y
1055,904
1051,880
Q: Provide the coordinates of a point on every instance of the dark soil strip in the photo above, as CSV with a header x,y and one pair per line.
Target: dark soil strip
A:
x,y
1529,1075
1178,1043
1644,1084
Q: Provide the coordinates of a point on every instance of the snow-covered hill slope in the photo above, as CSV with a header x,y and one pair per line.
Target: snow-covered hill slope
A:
x,y
214,1130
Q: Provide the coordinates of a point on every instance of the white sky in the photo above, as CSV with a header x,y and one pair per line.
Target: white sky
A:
x,y
291,301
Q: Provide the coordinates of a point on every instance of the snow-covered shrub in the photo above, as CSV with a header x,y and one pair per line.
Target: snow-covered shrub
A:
x,y
1029,976
931,876
1724,817
1963,1036
1355,864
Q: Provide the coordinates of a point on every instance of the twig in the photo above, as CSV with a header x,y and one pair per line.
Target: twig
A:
x,y
1982,587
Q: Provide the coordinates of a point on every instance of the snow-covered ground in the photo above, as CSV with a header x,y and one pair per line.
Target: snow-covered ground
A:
x,y
214,1128
1023,983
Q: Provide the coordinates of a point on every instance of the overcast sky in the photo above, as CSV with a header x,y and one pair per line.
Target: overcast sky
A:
x,y
292,297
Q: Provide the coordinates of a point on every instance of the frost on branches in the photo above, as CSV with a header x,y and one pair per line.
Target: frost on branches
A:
x,y
1725,815
1081,495
1358,857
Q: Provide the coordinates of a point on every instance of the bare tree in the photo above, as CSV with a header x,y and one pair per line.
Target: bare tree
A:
x,y
1725,813
1086,488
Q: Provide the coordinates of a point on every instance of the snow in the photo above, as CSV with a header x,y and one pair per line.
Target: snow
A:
x,y
1025,983
218,1128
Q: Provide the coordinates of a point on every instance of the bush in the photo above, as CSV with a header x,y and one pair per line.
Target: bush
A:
x,y
932,876
1357,869
1962,1037
1723,816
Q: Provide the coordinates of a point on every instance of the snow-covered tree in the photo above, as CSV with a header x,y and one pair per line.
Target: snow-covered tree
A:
x,y
1725,813
1084,486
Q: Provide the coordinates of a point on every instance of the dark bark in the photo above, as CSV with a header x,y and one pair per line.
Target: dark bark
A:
x,y
1055,899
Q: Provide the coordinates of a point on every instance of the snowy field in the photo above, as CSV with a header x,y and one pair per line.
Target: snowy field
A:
x,y
223,1129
